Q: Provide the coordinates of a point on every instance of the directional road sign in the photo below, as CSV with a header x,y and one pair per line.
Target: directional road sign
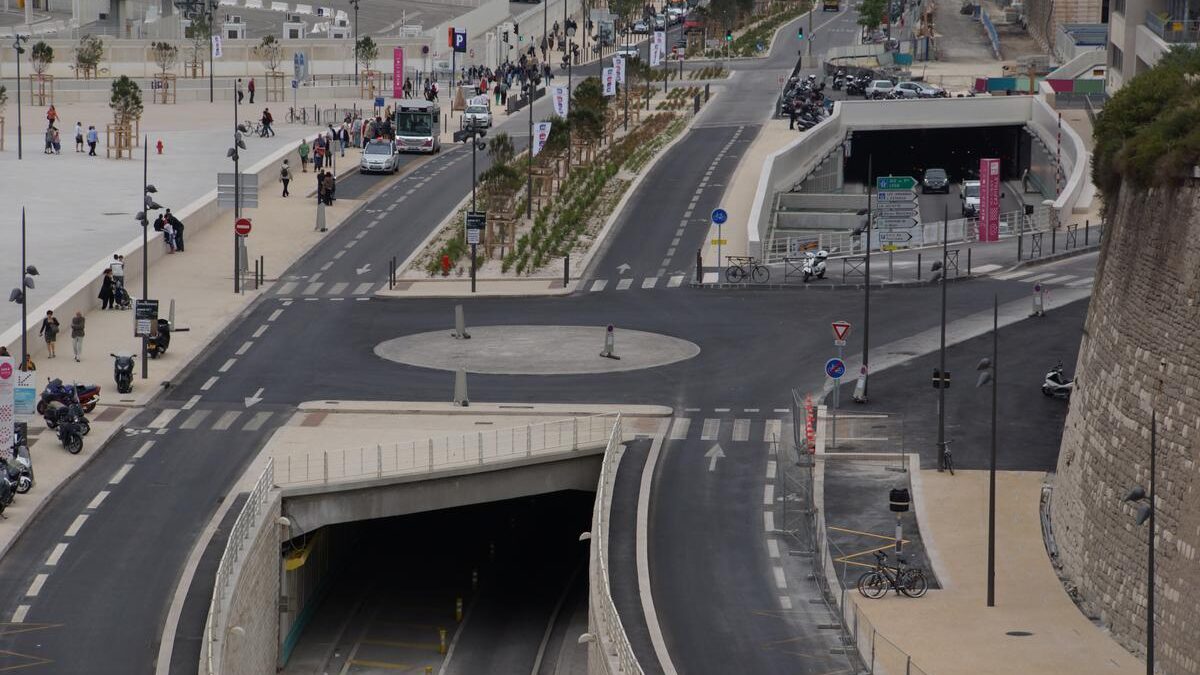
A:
x,y
835,368
719,216
904,196
895,182
895,237
896,223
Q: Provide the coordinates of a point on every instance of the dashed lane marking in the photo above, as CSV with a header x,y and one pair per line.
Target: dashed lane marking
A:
x,y
769,521
163,419
274,315
259,333
191,402
624,284
244,348
599,284
143,450
785,602
768,494
1082,282
56,554
312,289
97,500
649,282
19,615
771,469
120,474
76,525
339,254
773,548
1013,275
984,269
675,281
209,383
36,586
226,366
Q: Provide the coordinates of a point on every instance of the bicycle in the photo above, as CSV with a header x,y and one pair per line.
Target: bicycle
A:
x,y
743,267
875,583
947,459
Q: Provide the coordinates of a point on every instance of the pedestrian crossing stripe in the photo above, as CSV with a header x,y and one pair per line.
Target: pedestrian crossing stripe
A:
x,y
736,429
985,269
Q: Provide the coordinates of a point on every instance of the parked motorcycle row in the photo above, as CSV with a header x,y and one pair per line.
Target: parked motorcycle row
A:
x,y
805,98
64,409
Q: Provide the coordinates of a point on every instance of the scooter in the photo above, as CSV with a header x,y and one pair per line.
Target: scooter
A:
x,y
24,468
88,395
1056,384
8,486
814,264
56,413
69,435
123,371
157,344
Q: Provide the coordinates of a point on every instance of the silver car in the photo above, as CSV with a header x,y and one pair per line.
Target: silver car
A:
x,y
379,157
477,117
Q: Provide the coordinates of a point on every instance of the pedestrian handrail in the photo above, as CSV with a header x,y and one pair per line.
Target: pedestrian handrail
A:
x,y
240,536
475,448
605,622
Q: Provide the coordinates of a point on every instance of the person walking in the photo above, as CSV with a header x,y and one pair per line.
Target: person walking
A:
x,y
319,153
344,138
267,119
93,137
51,116
240,93
303,151
250,88
285,177
78,137
107,290
329,185
56,141
168,235
176,230
49,149
49,331
77,334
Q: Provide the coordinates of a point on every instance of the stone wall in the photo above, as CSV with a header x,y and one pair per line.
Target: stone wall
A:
x,y
254,605
1144,311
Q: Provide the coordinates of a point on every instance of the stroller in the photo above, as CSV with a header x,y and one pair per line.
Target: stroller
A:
x,y
121,296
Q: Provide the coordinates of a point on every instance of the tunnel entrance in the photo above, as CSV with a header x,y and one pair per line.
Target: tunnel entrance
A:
x,y
909,152
376,596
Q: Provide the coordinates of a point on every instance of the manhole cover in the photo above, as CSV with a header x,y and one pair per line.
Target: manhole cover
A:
x,y
1019,633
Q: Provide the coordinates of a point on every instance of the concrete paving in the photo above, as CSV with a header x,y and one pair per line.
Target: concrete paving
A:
x,y
537,350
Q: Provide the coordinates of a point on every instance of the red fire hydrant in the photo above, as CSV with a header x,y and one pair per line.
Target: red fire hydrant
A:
x,y
159,146
445,265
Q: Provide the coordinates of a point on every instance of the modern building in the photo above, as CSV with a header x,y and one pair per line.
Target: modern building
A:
x,y
1043,17
1141,31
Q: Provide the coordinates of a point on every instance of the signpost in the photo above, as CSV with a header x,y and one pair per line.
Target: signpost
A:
x,y
719,217
840,330
896,212
476,222
145,318
835,369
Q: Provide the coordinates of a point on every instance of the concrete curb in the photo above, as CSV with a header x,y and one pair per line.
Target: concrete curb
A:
x,y
479,409
1053,257
828,287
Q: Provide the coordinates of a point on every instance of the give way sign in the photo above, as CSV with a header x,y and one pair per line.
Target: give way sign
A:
x,y
840,329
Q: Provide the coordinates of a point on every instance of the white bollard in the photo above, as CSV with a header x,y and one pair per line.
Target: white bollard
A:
x,y
460,324
460,388
320,227
610,345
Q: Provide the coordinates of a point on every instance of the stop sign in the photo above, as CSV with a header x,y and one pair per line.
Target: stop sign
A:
x,y
242,227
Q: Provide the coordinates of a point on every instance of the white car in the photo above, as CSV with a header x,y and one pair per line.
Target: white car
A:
x,y
879,88
379,157
477,117
675,14
628,51
641,27
970,198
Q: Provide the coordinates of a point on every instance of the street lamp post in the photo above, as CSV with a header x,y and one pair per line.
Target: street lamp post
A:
x,y
232,153
473,135
530,71
17,40
212,18
143,217
866,371
940,274
988,373
20,295
354,4
1147,511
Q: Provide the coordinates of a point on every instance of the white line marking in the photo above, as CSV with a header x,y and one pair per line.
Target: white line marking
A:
x,y
19,615
97,500
339,254
675,281
164,418
326,266
56,554
769,521
741,430
120,474
750,410
311,299
363,288
679,429
710,278
1013,275
315,277
336,299
312,289
599,284
36,587
1060,279
362,234
351,243
142,450
226,420
196,418
209,383
782,410
226,366
337,288
287,287
721,410
768,495
773,548
649,282
275,315
785,602
245,347
691,410
984,269
363,299
257,422
711,429
261,329
191,402
78,523
1082,282
771,470
780,580
774,429
1039,277
670,251
624,284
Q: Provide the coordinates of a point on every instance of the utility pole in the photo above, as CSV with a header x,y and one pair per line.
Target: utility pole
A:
x,y
212,19
529,74
354,4
17,40
941,463
991,552
145,242
866,370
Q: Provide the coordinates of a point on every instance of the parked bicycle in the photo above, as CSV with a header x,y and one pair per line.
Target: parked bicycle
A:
x,y
742,268
907,580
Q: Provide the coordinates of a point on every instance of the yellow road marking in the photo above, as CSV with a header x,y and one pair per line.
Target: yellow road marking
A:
x,y
423,646
888,537
15,628
36,661
380,664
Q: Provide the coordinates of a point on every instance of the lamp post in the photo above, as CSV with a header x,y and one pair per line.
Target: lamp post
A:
x,y
212,18
1147,511
17,40
939,269
473,135
20,295
232,153
866,349
988,373
530,73
143,217
354,4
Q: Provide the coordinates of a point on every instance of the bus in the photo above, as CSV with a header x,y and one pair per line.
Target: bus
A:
x,y
418,125
831,6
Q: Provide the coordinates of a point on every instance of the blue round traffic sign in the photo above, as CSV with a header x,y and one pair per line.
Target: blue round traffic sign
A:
x,y
719,216
835,368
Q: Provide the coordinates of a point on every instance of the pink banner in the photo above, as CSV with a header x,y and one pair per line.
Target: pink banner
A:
x,y
989,200
398,72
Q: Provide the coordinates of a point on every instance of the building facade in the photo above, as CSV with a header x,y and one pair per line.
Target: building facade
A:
x,y
1141,31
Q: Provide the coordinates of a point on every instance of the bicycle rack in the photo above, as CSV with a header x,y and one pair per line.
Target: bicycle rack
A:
x,y
854,266
793,267
1072,230
952,261
1035,245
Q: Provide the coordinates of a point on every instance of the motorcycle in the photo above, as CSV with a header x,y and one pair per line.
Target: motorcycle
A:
x,y
69,435
814,264
123,371
157,344
56,413
1056,384
8,486
24,468
88,395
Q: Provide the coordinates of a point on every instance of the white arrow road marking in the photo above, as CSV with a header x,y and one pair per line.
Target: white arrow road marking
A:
x,y
251,400
623,268
714,453
364,269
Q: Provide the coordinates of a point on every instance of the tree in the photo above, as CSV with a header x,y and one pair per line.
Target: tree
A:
x,y
270,52
126,100
500,149
724,12
366,51
88,53
200,33
588,105
42,55
870,13
165,55
556,142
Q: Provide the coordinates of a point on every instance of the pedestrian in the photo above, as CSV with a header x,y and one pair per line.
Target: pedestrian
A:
x,y
56,141
92,139
344,139
118,268
28,366
78,137
321,187
250,88
168,236
51,116
240,93
267,118
49,149
330,185
304,149
792,118
49,331
319,153
285,177
77,334
107,290
176,231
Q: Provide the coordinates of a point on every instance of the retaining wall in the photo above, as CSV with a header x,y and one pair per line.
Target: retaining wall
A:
x,y
255,597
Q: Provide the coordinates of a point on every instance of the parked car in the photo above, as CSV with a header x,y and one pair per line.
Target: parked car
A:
x,y
927,90
935,180
660,22
908,90
478,117
970,198
379,157
675,14
629,51
693,22
879,88
640,26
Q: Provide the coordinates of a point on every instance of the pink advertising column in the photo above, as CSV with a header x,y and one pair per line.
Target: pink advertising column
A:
x,y
398,72
989,200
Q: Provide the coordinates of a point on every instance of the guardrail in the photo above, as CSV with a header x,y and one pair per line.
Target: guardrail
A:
x,y
617,654
448,452
1173,30
239,538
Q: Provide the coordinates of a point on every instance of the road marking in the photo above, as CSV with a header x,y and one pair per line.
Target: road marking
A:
x,y
191,402
261,329
599,284
711,429
364,288
311,299
785,602
341,253
351,243
142,450
287,287
1042,276
670,251
768,495
769,521
312,289
362,234
97,500
196,418
721,410
1082,282
771,470
164,418
245,347
326,266
1059,279
226,420
773,548
741,430
984,269
1013,275
120,474
675,241
679,429
691,410
19,615
337,288
315,277
624,284
780,580
649,282
57,554
750,410
363,299
76,524
710,278
687,214
675,281
774,430
226,366
36,587
209,383
257,422
782,410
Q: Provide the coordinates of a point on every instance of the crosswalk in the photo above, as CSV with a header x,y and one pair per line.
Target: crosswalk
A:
x,y
1047,278
320,289
208,419
738,425
644,283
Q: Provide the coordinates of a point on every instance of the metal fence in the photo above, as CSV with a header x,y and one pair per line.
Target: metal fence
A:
x,y
447,452
617,654
240,537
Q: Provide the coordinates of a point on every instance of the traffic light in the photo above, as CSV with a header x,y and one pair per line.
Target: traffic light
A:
x,y
800,35
728,35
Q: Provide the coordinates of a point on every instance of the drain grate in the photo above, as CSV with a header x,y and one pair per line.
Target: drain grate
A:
x,y
1019,633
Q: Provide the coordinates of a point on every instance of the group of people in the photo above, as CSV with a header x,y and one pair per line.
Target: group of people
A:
x,y
172,231
112,286
54,137
49,333
241,92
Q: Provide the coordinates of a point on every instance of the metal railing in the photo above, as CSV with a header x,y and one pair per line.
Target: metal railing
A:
x,y
474,448
617,653
1173,30
240,536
